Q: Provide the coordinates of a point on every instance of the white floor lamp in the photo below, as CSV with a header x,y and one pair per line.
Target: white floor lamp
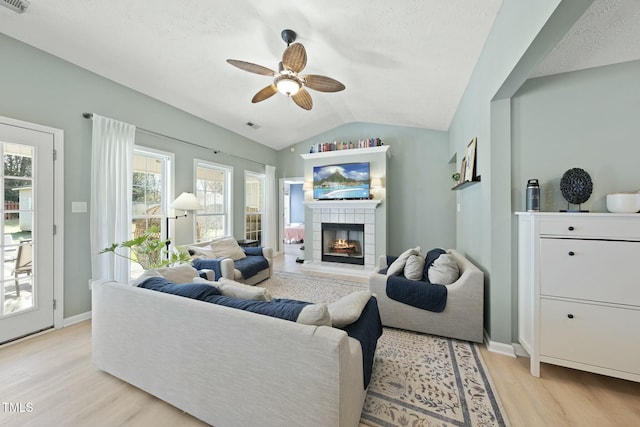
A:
x,y
185,202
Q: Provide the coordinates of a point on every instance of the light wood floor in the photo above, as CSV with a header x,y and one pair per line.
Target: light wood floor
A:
x,y
51,379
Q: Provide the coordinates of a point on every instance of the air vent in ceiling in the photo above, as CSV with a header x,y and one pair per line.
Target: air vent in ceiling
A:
x,y
15,5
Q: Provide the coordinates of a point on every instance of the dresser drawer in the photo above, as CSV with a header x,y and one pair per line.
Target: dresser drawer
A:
x,y
590,334
622,227
596,270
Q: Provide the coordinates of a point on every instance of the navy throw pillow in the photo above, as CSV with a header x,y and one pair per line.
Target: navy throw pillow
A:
x,y
432,255
253,251
190,290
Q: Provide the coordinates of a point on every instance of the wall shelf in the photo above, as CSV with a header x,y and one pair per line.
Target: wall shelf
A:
x,y
475,180
350,152
365,204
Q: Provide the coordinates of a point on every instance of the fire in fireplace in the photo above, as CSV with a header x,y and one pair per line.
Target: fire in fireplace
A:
x,y
343,243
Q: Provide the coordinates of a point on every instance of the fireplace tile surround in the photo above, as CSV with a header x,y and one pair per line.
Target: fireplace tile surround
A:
x,y
345,212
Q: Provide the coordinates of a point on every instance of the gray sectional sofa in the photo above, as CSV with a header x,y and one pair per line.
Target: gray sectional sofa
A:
x,y
462,317
226,366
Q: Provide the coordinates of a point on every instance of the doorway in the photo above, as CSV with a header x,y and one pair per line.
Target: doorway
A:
x,y
292,217
28,279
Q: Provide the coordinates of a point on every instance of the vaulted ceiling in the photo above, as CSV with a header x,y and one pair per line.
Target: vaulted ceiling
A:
x,y
403,63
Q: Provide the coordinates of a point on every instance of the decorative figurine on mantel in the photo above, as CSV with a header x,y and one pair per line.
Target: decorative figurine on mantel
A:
x,y
576,188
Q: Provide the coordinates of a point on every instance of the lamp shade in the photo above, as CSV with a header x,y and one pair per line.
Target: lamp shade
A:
x,y
376,182
186,202
307,186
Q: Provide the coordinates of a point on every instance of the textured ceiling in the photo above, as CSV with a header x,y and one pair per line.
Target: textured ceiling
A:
x,y
607,33
403,62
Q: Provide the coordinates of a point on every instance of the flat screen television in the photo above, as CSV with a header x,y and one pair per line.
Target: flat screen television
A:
x,y
346,181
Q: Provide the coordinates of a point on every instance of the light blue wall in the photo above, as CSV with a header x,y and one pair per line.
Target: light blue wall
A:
x,y
587,119
523,33
40,88
296,208
421,205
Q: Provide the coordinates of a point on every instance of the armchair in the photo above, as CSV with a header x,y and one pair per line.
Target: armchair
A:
x,y
227,259
462,317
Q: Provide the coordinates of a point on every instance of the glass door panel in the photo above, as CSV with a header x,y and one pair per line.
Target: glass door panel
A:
x,y
17,221
27,213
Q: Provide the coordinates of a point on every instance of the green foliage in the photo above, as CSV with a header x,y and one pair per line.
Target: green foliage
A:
x,y
15,167
147,250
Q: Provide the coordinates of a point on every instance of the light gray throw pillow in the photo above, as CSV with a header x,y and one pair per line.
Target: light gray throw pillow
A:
x,y
227,248
347,309
444,270
233,289
179,274
397,266
414,268
315,314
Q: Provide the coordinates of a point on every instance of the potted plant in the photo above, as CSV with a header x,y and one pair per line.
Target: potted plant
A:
x,y
147,250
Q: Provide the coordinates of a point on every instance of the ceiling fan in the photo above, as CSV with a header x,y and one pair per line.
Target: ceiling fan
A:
x,y
287,79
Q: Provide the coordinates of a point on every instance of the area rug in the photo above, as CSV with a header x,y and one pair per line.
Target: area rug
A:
x,y
418,379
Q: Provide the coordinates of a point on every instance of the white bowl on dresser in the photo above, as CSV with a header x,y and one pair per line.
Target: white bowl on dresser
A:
x,y
623,202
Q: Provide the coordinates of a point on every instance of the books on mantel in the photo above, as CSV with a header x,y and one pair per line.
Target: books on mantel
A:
x,y
345,145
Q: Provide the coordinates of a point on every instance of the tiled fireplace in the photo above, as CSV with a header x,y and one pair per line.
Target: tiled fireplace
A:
x,y
349,235
343,243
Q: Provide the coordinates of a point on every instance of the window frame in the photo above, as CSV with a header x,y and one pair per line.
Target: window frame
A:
x,y
228,195
262,178
167,174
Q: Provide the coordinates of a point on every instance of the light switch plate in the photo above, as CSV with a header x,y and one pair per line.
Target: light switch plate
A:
x,y
78,207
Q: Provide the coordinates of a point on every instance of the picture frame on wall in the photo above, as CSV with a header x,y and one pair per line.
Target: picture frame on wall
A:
x,y
463,170
470,171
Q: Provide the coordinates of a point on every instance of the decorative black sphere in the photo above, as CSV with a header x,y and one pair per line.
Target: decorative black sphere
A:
x,y
576,186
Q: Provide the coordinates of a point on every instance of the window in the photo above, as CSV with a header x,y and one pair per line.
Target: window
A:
x,y
253,205
150,195
213,190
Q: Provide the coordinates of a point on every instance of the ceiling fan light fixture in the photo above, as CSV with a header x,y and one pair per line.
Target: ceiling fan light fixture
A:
x,y
287,85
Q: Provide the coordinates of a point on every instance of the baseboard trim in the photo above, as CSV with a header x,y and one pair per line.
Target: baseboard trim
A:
x,y
498,347
520,351
68,321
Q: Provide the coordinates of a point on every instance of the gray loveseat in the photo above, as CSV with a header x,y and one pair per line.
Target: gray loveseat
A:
x,y
462,317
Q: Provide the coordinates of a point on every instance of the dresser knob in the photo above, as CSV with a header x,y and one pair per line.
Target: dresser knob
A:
x,y
570,316
571,228
571,253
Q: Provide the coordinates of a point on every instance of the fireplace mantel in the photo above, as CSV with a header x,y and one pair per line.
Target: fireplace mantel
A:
x,y
333,204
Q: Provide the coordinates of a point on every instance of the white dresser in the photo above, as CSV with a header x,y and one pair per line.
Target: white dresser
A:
x,y
579,291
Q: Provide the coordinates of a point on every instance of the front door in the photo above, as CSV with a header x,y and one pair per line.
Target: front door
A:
x,y
26,247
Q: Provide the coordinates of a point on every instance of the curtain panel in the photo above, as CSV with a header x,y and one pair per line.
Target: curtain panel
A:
x,y
270,230
110,206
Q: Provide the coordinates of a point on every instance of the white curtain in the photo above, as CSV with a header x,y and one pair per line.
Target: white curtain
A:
x,y
270,196
110,215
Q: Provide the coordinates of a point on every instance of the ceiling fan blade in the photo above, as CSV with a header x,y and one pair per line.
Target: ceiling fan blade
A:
x,y
252,68
264,93
303,99
294,57
322,83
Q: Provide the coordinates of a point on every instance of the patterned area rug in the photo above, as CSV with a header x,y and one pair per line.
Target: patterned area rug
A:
x,y
418,379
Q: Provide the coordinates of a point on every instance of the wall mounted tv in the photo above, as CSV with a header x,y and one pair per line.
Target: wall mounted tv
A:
x,y
347,181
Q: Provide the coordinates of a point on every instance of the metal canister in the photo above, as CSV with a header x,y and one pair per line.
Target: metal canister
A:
x,y
533,196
